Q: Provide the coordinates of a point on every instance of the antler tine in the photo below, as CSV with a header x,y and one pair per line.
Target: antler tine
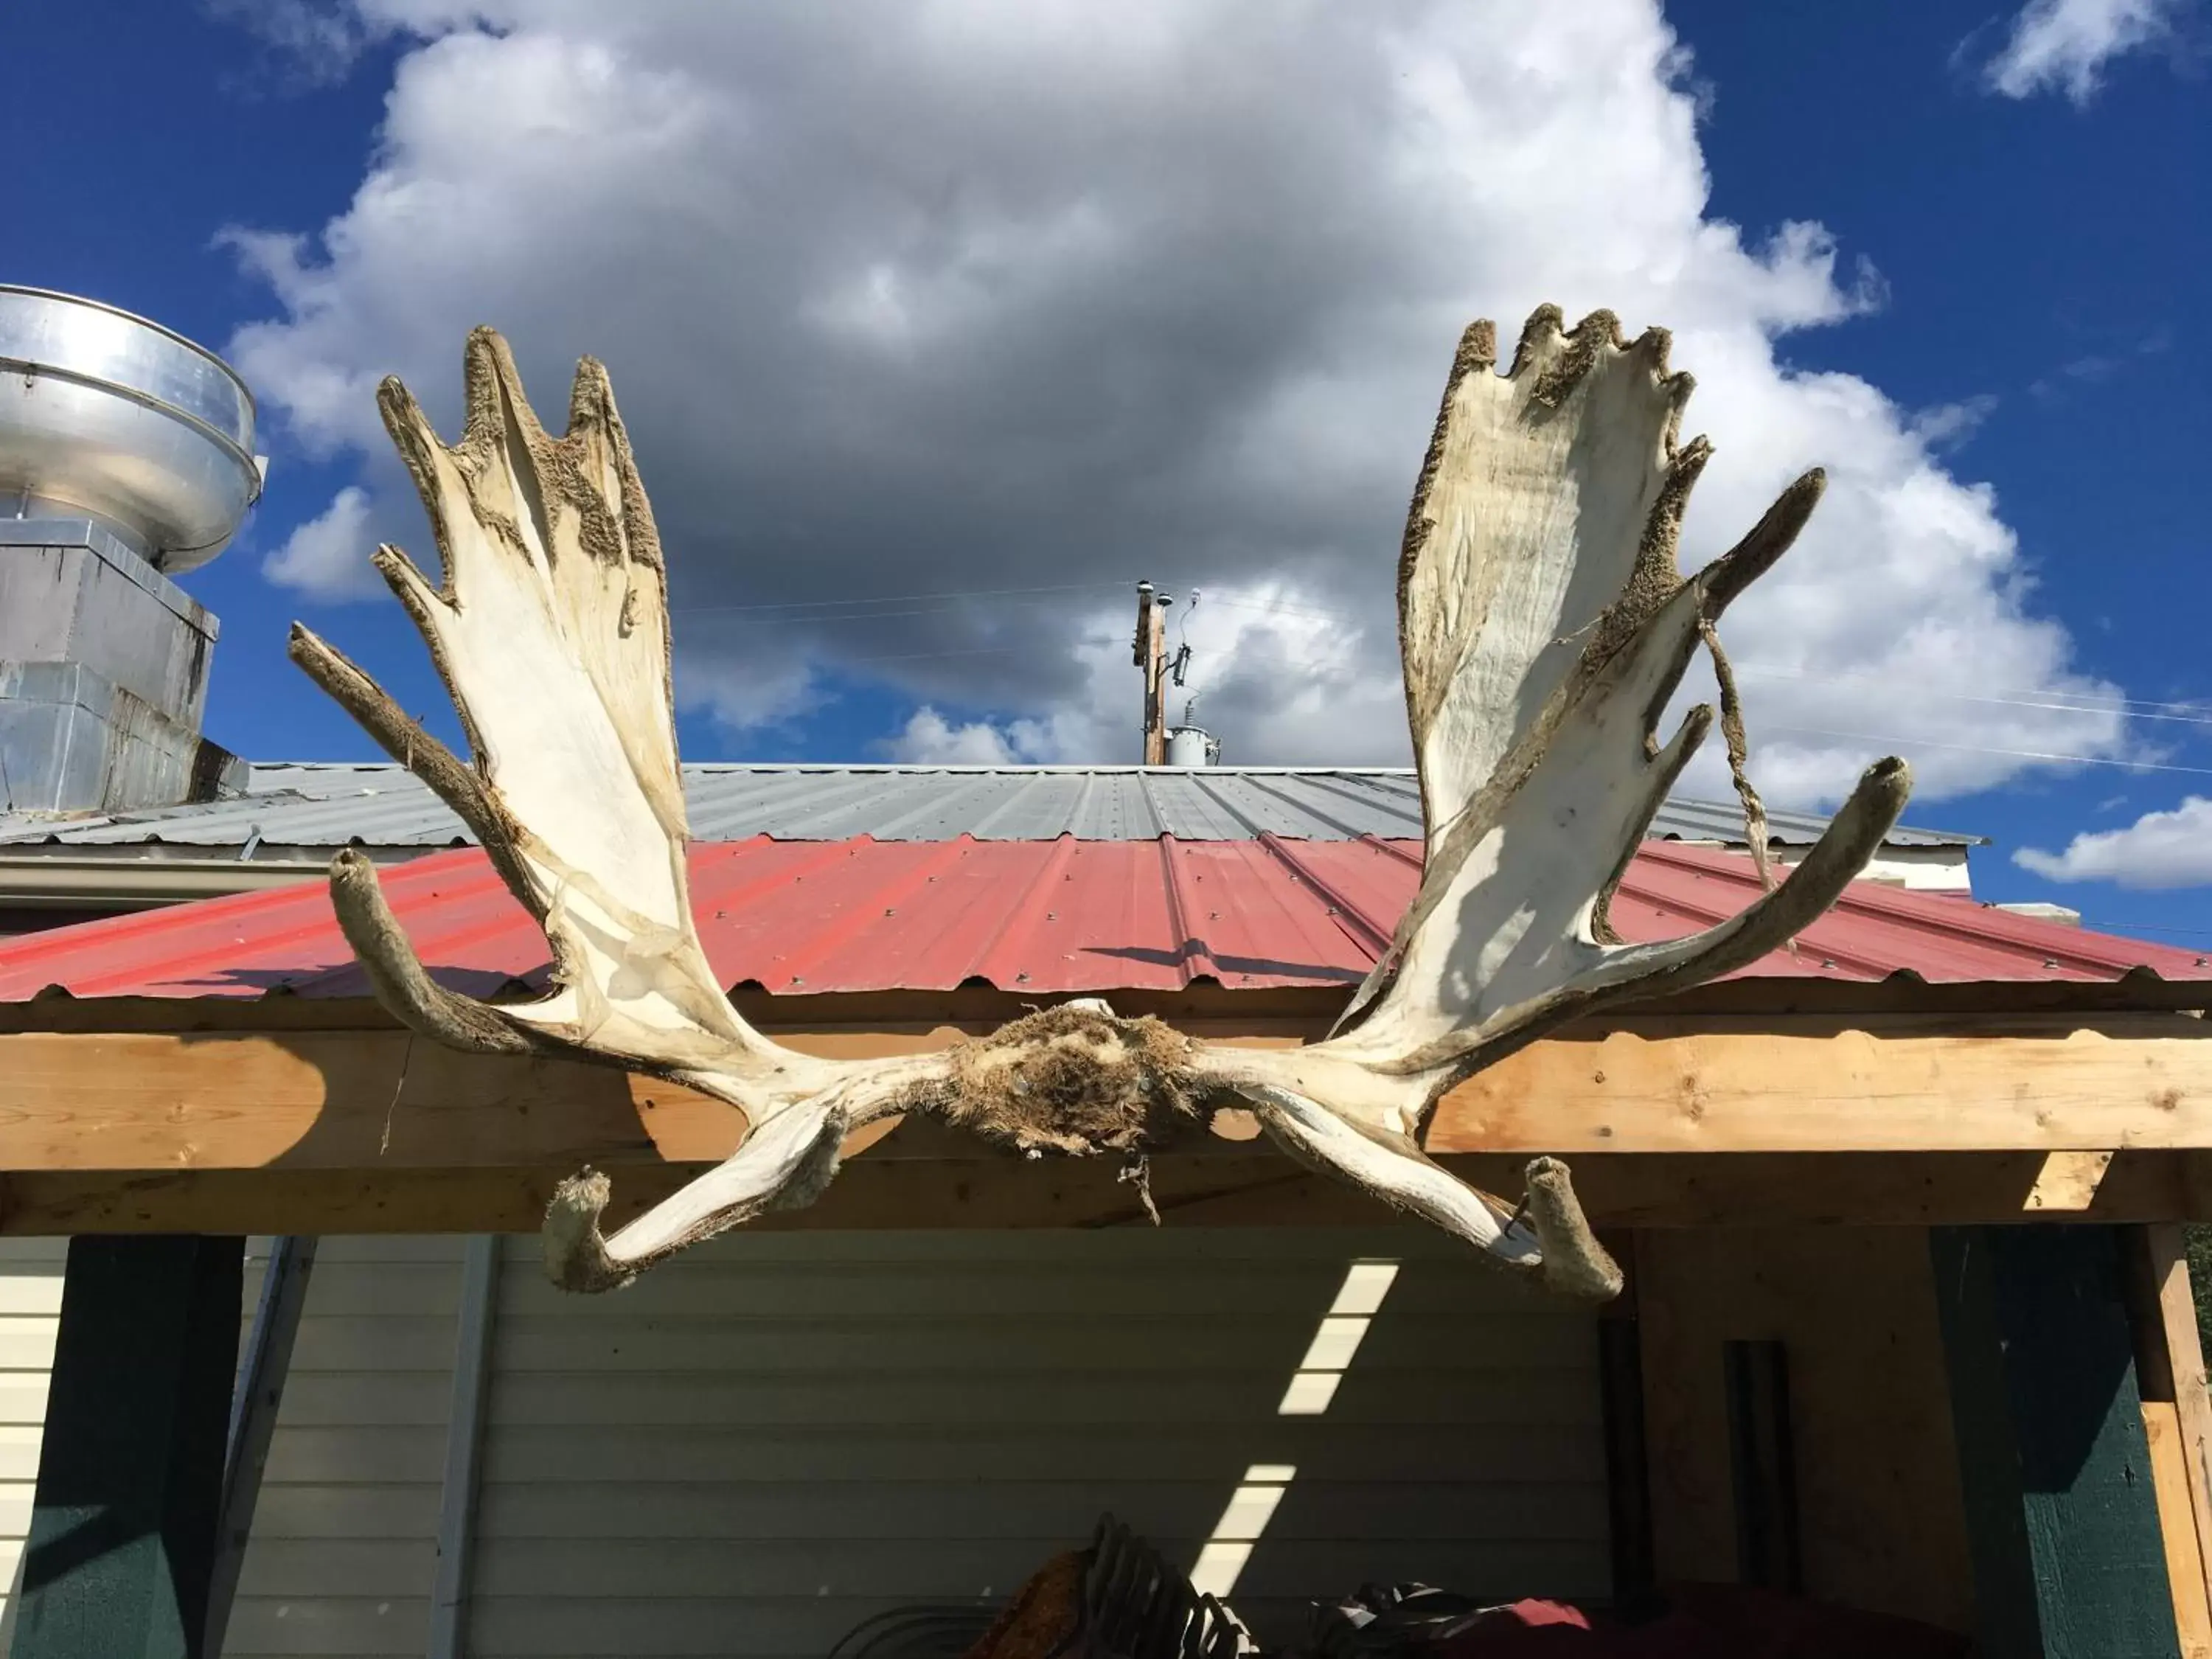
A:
x,y
1548,1239
396,974
784,1166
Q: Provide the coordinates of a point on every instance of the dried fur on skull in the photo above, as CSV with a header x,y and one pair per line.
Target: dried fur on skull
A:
x,y
1074,1080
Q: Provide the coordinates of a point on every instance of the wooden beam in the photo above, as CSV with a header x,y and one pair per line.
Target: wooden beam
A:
x,y
379,1100
1782,1189
2167,1249
2005,1086
2177,1420
1222,1186
1305,1011
2067,1184
2185,1562
123,1527
1262,1189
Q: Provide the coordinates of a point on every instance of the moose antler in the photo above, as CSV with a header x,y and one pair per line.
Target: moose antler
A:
x,y
1544,625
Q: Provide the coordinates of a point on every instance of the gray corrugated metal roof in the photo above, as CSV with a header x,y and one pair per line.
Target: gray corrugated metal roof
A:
x,y
324,806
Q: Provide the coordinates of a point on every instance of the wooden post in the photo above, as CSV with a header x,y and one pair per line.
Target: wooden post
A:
x,y
2055,1467
2177,1420
123,1528
1151,654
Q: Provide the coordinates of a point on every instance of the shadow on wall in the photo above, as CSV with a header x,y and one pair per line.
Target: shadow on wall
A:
x,y
15,1599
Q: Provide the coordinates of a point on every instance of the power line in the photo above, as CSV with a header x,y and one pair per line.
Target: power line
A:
x,y
2044,697
2128,706
1984,749
825,613
905,599
1277,609
922,656
2041,697
841,617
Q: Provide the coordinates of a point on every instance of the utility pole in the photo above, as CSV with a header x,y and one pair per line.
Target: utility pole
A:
x,y
1151,656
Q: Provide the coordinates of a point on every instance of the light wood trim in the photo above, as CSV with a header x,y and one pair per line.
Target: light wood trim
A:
x,y
2176,1526
2170,1371
2165,1250
2140,1083
2068,1182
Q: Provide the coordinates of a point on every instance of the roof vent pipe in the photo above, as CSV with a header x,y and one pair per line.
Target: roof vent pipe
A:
x,y
108,417
126,458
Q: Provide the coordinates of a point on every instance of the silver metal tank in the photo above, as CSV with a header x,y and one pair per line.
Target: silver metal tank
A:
x,y
106,415
1192,745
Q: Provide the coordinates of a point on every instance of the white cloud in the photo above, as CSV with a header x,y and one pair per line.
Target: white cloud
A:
x,y
307,44
988,294
1946,426
2158,850
2064,46
930,739
327,557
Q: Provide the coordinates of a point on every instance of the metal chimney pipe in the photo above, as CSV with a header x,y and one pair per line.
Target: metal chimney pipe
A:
x,y
106,416
126,457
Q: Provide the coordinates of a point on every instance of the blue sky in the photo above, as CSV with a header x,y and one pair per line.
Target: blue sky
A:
x,y
2015,268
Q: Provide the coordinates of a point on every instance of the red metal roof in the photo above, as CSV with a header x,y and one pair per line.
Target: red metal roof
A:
x,y
801,917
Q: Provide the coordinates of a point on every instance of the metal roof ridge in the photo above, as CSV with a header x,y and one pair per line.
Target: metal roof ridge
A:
x,y
330,803
916,767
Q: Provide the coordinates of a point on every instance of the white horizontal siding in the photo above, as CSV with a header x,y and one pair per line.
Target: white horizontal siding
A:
x,y
776,1434
31,1271
344,1540
355,1469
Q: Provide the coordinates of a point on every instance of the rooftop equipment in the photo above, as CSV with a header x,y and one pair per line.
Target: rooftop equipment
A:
x,y
126,458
